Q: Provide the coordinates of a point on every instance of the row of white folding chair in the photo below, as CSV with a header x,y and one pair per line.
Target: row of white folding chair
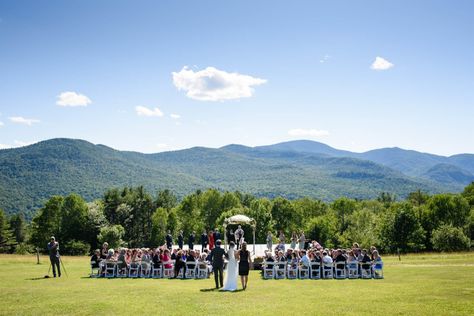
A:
x,y
279,270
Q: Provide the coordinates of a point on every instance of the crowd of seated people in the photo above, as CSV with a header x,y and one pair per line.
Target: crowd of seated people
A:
x,y
324,262
146,260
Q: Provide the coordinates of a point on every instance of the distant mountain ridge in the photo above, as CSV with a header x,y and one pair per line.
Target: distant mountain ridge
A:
x,y
30,175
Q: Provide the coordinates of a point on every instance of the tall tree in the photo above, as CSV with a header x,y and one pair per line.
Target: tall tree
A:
x,y
343,207
47,222
7,240
18,227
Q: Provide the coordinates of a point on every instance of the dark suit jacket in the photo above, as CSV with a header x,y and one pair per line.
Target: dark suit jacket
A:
x,y
216,257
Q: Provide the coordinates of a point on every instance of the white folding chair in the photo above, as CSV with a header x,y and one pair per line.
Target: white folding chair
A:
x,y
121,270
280,270
352,269
168,272
134,270
291,271
190,270
315,270
303,272
377,270
95,271
327,271
110,269
268,270
365,270
157,271
340,270
145,270
202,271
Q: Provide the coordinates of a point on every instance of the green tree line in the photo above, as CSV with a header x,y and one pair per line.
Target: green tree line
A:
x,y
133,217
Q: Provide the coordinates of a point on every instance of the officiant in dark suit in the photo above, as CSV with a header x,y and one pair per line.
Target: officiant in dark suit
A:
x,y
217,259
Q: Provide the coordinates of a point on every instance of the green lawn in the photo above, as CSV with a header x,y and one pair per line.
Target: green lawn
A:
x,y
430,284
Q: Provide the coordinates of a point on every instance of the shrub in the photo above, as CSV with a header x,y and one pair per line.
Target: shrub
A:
x,y
24,249
75,248
112,235
449,238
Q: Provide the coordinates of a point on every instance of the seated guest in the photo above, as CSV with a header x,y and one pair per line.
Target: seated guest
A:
x,y
365,259
156,258
350,256
166,259
318,257
376,257
190,257
110,255
326,258
179,264
104,251
304,259
174,254
340,260
281,260
269,257
95,259
202,261
146,256
294,260
121,260
372,249
128,256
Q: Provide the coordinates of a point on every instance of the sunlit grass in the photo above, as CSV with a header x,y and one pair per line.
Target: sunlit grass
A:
x,y
422,284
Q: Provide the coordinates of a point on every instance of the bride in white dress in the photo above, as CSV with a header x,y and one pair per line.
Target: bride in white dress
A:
x,y
230,282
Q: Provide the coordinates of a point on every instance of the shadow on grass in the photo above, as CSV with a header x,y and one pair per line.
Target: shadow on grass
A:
x,y
213,289
39,278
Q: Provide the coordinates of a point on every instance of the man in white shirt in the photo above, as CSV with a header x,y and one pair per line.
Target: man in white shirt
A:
x,y
304,260
326,258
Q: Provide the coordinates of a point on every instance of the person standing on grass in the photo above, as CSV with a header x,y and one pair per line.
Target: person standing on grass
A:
x,y
244,264
169,240
191,240
53,249
217,258
203,241
180,240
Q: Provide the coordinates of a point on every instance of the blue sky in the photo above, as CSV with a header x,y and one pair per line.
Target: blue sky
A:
x,y
163,75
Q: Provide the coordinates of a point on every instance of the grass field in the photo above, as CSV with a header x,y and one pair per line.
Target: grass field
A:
x,y
429,284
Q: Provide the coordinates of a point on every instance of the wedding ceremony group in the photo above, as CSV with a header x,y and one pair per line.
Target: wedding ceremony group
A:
x,y
163,262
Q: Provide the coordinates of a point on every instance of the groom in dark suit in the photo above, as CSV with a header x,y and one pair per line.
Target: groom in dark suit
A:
x,y
217,259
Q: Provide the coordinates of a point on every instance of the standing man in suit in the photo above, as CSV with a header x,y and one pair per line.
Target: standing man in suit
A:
x,y
169,240
217,259
203,240
216,234
53,249
191,240
180,240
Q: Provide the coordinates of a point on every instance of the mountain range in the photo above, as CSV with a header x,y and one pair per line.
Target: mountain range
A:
x,y
30,175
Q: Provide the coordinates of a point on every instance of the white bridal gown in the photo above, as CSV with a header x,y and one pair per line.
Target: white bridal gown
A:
x,y
230,282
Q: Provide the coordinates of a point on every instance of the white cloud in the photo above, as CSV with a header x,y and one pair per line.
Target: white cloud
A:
x,y
212,84
381,64
70,98
162,146
16,144
19,143
307,132
144,111
22,120
324,59
1,124
175,116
